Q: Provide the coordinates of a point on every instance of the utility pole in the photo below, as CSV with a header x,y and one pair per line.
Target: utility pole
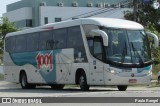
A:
x,y
135,9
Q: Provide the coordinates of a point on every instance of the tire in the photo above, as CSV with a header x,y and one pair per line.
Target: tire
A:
x,y
24,82
122,87
57,87
83,82
159,80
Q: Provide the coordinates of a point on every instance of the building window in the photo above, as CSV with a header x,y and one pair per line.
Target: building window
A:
x,y
58,19
46,20
29,23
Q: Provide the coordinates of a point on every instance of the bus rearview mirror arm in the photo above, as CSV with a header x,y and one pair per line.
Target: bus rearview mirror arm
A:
x,y
97,32
155,37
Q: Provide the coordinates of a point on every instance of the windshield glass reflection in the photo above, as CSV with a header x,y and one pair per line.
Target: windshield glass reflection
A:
x,y
127,46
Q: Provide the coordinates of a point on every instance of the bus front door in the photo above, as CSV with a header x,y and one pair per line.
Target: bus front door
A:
x,y
96,64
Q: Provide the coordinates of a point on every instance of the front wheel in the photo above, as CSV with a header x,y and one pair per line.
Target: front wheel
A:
x,y
122,87
83,82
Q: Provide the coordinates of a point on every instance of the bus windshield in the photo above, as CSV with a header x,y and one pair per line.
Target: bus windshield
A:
x,y
127,47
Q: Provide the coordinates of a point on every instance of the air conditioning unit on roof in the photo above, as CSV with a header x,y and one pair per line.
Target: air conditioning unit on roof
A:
x,y
100,5
60,4
90,4
75,4
117,5
106,5
42,4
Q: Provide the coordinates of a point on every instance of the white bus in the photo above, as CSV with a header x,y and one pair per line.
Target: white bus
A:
x,y
86,52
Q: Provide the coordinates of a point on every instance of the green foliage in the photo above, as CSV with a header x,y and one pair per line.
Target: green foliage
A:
x,y
156,69
5,27
1,77
128,15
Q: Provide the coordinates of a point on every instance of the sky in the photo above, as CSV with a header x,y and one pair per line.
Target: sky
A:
x,y
3,4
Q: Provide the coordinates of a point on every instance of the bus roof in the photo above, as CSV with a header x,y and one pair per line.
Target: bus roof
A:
x,y
105,22
113,23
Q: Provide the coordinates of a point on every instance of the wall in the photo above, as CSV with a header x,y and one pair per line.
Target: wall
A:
x,y
19,14
78,12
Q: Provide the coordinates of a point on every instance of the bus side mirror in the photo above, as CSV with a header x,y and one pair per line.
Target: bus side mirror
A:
x,y
97,32
155,37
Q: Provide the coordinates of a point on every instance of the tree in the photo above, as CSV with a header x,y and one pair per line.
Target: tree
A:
x,y
146,14
5,27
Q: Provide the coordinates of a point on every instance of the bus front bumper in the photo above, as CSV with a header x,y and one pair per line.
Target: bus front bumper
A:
x,y
112,79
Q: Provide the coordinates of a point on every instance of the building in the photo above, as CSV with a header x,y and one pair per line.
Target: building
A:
x,y
32,13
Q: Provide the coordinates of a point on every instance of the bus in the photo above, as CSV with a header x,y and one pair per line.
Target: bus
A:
x,y
85,52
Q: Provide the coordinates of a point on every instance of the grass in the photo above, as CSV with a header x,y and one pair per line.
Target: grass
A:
x,y
1,77
71,86
154,76
155,84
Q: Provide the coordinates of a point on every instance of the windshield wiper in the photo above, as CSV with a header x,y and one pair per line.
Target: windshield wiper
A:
x,y
124,53
135,51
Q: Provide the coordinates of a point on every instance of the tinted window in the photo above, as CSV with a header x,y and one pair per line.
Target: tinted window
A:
x,y
60,38
32,41
45,40
75,41
96,47
98,51
58,19
90,44
28,23
74,37
46,20
20,43
10,44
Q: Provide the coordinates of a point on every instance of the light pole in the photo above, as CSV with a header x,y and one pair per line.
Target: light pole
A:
x,y
135,9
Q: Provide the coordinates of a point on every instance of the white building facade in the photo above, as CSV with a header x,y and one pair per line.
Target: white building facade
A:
x,y
32,13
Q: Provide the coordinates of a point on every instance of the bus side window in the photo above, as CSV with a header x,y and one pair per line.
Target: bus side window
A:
x,y
44,39
32,42
10,44
75,41
60,38
21,44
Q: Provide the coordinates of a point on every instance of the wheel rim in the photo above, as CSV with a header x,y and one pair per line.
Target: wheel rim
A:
x,y
24,80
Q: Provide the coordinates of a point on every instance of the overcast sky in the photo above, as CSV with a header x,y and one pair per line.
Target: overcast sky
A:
x,y
3,4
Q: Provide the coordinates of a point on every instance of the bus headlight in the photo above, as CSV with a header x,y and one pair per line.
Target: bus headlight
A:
x,y
114,72
148,72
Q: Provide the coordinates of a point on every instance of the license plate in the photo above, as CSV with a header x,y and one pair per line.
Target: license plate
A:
x,y
132,81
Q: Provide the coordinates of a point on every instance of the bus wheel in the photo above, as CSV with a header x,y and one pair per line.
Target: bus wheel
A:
x,y
122,87
57,87
83,82
24,82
